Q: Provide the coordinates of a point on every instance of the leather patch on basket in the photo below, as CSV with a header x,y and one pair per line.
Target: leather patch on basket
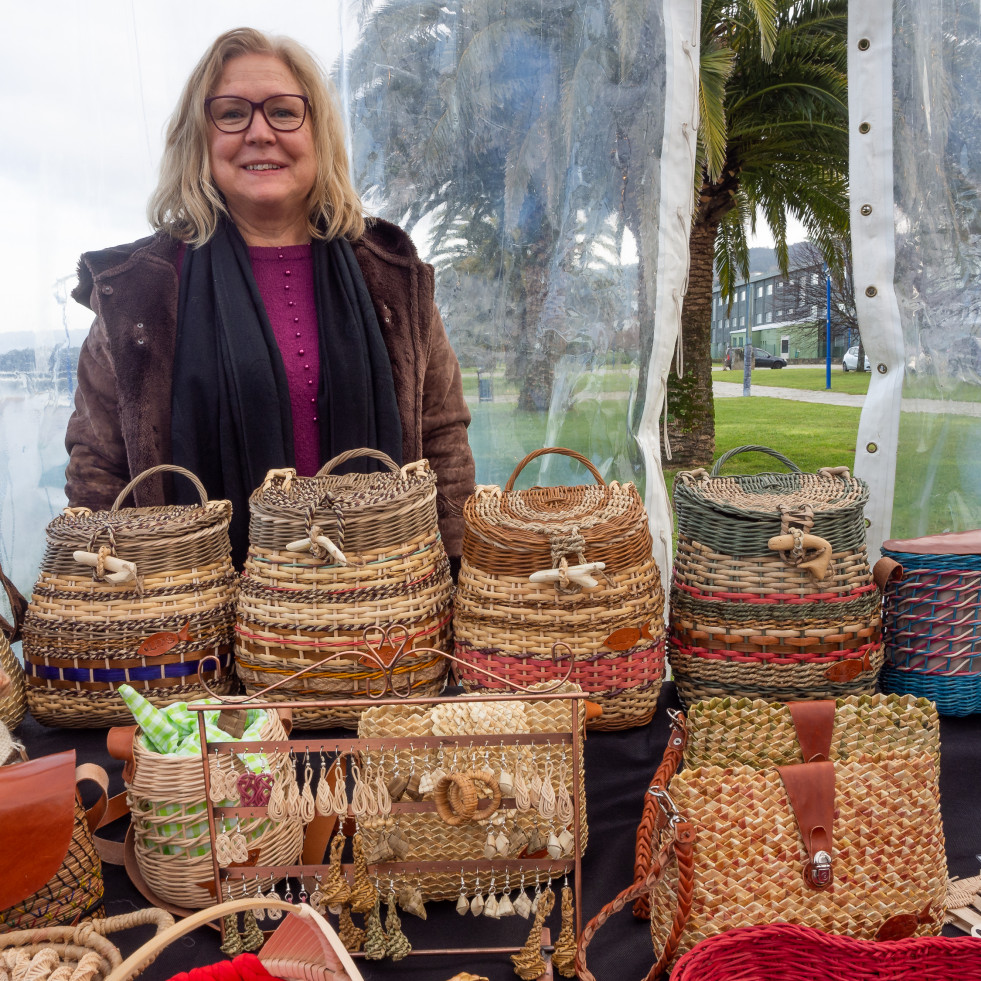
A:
x,y
232,722
386,653
37,818
903,925
847,670
814,722
163,641
624,638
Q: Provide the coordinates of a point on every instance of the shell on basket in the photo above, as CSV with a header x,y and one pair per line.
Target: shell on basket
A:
x,y
136,596
931,626
329,557
429,838
169,815
572,564
772,595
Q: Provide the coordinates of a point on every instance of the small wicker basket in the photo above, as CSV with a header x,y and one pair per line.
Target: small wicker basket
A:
x,y
570,564
135,596
931,623
772,596
169,814
330,556
13,695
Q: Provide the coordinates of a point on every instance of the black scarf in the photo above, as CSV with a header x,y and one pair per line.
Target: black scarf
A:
x,y
231,418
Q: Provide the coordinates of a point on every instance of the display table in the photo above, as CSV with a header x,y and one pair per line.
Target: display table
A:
x,y
619,766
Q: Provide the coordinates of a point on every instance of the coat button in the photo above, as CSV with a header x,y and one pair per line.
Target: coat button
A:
x,y
106,289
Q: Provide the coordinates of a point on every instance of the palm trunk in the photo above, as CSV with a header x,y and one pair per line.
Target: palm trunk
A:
x,y
691,409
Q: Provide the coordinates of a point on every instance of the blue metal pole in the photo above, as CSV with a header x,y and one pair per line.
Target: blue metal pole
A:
x,y
827,382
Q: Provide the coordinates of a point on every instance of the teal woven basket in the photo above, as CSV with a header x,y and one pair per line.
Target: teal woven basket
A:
x,y
932,619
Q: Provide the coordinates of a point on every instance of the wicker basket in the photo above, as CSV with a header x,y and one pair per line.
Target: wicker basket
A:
x,y
931,623
772,596
169,814
52,873
430,839
329,557
788,952
13,696
72,953
571,564
135,596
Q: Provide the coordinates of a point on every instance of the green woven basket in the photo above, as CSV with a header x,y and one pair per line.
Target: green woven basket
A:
x,y
738,515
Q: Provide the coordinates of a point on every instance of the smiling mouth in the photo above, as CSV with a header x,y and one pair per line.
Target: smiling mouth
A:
x,y
263,167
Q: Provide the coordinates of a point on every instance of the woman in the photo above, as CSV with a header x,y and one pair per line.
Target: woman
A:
x,y
266,323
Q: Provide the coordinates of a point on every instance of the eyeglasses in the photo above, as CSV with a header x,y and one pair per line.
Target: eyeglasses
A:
x,y
232,114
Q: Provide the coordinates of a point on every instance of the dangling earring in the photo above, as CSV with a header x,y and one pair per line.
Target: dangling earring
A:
x,y
564,953
522,905
322,802
232,945
308,808
504,905
363,892
336,892
352,936
462,904
374,936
528,962
252,936
397,943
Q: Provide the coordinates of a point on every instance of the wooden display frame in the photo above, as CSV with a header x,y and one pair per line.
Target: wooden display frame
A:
x,y
385,647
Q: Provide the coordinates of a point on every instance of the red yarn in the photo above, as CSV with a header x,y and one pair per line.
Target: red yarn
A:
x,y
245,967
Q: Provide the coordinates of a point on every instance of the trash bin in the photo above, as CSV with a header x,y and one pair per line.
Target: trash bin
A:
x,y
485,389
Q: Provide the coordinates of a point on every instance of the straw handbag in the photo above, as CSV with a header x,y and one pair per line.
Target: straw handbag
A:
x,y
772,595
329,557
456,723
51,871
13,697
932,619
130,595
787,952
75,952
168,808
304,946
571,564
853,846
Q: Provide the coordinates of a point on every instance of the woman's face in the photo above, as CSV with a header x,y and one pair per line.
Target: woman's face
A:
x,y
265,174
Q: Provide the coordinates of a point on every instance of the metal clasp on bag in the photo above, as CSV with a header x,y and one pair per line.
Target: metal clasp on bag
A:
x,y
664,801
817,872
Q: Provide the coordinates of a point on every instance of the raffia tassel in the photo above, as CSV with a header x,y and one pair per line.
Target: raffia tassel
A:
x,y
252,936
363,893
564,954
335,890
397,943
232,945
375,941
528,962
352,936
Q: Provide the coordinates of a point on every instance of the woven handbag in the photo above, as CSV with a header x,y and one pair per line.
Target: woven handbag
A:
x,y
51,870
165,793
787,952
13,696
931,624
852,846
570,564
772,595
135,596
456,723
329,557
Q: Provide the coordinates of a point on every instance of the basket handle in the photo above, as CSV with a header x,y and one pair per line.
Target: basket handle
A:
x,y
160,468
509,486
142,957
352,454
752,448
18,609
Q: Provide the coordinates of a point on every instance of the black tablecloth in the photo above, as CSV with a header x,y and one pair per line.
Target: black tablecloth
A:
x,y
619,766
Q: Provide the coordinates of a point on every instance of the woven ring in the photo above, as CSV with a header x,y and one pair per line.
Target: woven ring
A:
x,y
487,778
462,809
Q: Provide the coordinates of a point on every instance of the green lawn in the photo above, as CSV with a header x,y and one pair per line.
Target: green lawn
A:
x,y
814,378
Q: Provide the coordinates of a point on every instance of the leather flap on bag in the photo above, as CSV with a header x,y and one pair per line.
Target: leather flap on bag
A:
x,y
811,791
37,818
814,722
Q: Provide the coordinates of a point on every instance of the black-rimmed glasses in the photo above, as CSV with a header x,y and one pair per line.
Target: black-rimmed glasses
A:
x,y
233,114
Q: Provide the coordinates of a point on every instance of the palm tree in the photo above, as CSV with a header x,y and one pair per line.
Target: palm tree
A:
x,y
518,122
773,141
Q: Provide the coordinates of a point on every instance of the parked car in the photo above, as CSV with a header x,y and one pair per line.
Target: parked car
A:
x,y
850,361
763,359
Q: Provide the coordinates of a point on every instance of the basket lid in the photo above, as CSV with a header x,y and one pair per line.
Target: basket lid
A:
x,y
354,511
946,543
536,528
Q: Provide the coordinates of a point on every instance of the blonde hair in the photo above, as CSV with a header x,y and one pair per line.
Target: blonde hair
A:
x,y
186,202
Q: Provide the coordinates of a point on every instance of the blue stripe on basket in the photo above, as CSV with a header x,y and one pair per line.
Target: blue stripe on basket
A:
x,y
915,560
960,695
146,673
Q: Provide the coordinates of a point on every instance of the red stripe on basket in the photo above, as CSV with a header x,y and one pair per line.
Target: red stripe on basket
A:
x,y
855,653
352,645
597,674
774,598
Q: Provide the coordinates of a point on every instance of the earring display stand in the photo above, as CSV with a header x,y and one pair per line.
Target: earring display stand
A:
x,y
384,648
